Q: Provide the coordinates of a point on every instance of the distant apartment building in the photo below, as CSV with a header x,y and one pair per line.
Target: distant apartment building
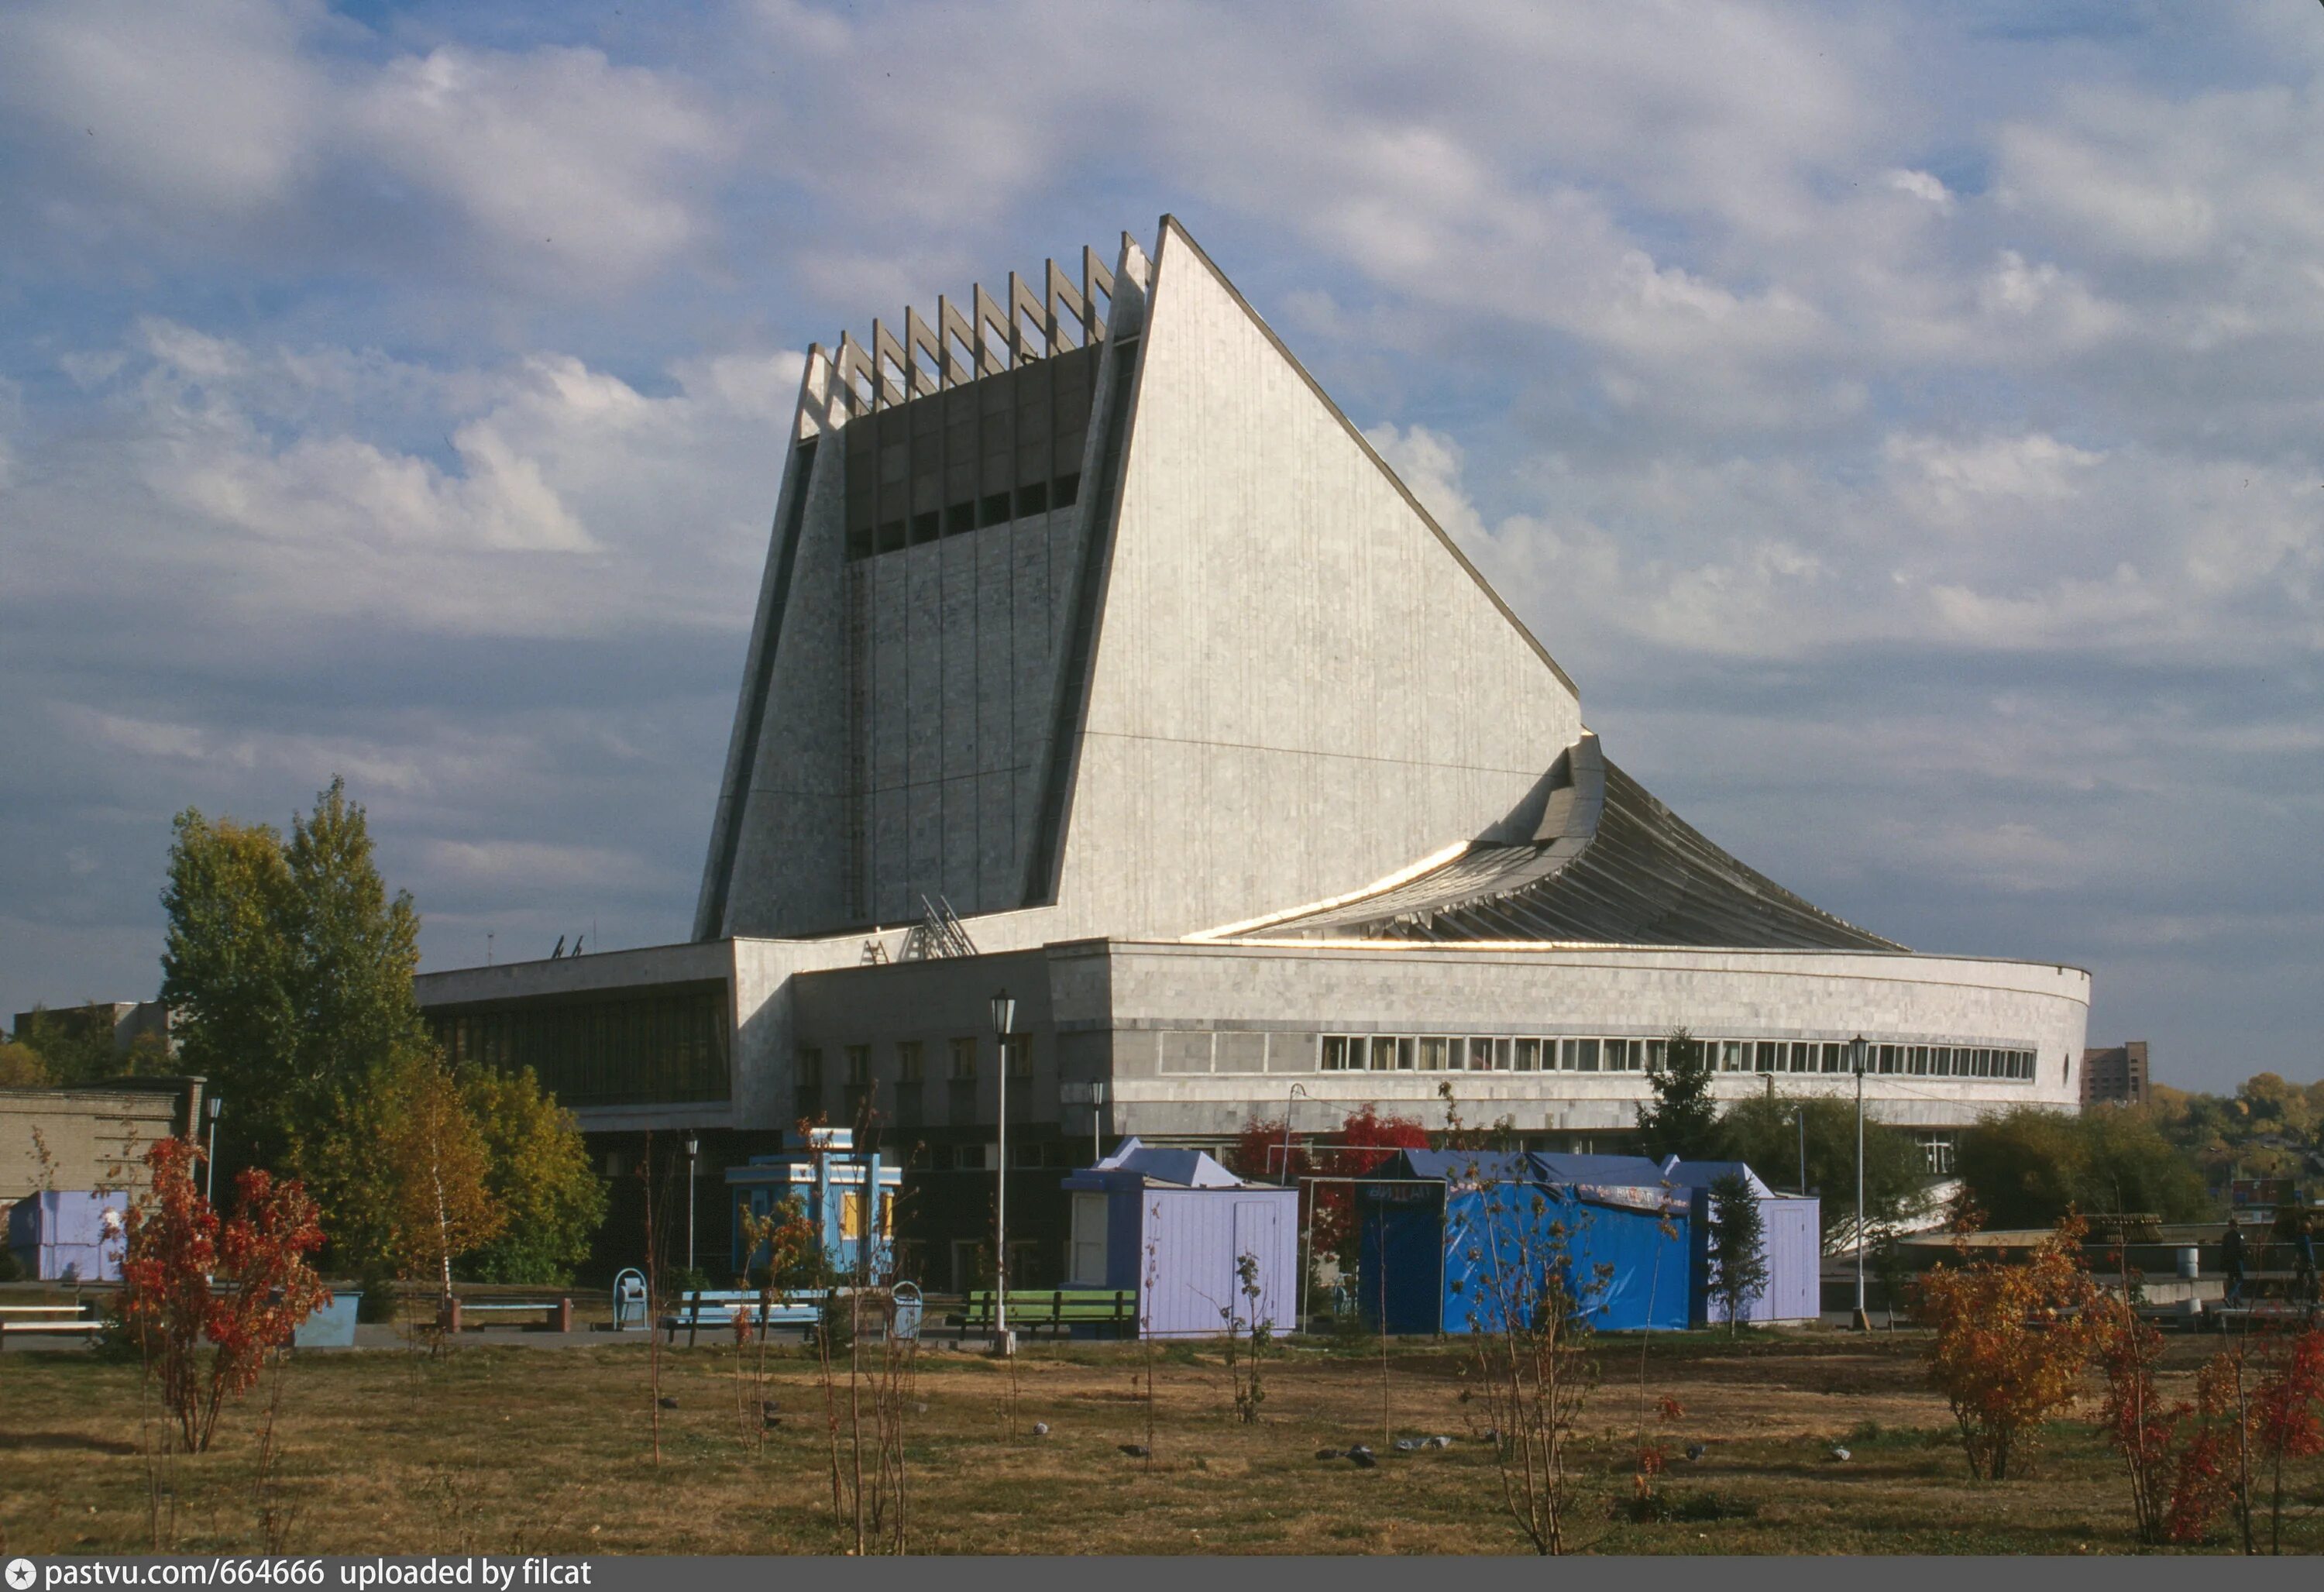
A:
x,y
2115,1075
126,1021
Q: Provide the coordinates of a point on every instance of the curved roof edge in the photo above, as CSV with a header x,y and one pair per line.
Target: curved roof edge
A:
x,y
1590,856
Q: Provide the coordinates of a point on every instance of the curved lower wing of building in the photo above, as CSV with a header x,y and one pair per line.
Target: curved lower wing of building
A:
x,y
1591,857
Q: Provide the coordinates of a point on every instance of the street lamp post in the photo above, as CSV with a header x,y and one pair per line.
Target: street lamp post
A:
x,y
1004,1020
1856,1048
693,1149
211,1107
1800,1117
1297,1092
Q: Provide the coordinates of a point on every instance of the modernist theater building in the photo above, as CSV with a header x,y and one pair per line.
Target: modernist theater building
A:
x,y
1099,658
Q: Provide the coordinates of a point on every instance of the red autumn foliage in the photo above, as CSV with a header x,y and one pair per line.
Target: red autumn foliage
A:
x,y
1364,1142
240,1285
2140,1424
2287,1411
2012,1344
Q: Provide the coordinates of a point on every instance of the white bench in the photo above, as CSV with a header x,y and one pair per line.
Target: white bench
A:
x,y
47,1319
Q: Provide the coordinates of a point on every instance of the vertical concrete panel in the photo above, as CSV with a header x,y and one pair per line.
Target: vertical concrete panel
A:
x,y
789,857
959,864
924,695
1032,672
886,678
890,894
1337,695
958,645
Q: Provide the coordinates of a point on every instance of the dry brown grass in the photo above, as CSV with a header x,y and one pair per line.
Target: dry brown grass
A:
x,y
537,1450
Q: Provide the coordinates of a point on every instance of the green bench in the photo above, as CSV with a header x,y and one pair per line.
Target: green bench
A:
x,y
1096,1312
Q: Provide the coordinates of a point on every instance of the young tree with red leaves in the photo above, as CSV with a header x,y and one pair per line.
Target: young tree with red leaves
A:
x,y
1364,1142
2286,1406
179,1253
2012,1344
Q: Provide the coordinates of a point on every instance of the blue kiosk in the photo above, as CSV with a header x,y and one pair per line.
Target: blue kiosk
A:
x,y
852,1195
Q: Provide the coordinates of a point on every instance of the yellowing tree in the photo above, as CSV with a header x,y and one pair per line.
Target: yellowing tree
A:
x,y
2012,1344
440,1200
541,1178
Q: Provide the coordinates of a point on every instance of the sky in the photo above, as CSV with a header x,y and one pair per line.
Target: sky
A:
x,y
1902,423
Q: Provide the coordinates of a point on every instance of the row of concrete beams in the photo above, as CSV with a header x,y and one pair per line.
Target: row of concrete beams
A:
x,y
958,348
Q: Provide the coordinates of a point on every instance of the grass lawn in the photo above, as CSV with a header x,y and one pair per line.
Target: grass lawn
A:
x,y
508,1449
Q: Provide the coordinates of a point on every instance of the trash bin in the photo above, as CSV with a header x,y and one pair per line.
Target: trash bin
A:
x,y
2191,1262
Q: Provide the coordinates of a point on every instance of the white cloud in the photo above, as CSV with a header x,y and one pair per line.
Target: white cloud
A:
x,y
567,502
558,160
272,132
209,111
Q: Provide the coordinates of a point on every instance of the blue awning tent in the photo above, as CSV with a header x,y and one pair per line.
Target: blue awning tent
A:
x,y
1457,1241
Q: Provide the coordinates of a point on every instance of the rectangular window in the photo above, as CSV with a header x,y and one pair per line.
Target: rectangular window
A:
x,y
892,536
1803,1056
1501,1055
1033,499
850,1215
1764,1056
858,1065
1403,1055
992,508
924,527
1941,1060
1383,1053
1067,489
1335,1052
960,516
1733,1055
810,1069
1481,1056
1433,1053
911,1062
859,542
1585,1055
1019,1048
963,1061
1918,1063
1528,1055
1658,1054
1089,1229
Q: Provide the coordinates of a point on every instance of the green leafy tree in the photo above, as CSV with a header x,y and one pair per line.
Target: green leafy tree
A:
x,y
541,1178
1737,1248
2027,1167
1681,1120
75,1045
1761,1133
290,967
23,1067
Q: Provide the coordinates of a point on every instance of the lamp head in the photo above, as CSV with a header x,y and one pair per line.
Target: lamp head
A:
x,y
693,1144
1004,1014
212,1107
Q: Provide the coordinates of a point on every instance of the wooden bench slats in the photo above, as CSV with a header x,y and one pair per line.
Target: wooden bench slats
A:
x,y
1035,1308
